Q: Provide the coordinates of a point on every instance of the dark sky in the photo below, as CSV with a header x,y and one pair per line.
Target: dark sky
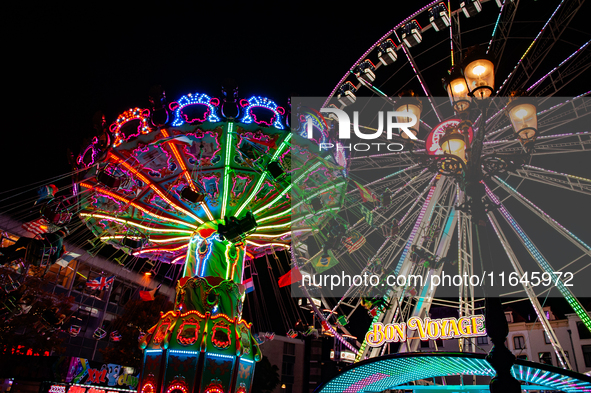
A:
x,y
65,63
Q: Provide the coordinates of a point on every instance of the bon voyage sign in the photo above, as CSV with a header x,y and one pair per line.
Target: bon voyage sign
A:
x,y
428,329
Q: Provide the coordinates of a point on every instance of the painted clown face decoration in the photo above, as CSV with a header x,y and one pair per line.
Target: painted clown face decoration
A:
x,y
210,256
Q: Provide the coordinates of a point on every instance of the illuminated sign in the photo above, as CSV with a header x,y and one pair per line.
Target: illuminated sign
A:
x,y
428,329
432,140
57,389
76,389
346,356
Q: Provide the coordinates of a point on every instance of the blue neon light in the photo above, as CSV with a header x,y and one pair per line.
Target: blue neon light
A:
x,y
195,99
261,102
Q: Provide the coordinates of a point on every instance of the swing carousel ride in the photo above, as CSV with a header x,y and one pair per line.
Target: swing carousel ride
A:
x,y
204,183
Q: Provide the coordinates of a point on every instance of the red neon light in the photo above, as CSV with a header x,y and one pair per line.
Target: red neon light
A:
x,y
179,159
153,186
188,339
218,341
180,387
148,388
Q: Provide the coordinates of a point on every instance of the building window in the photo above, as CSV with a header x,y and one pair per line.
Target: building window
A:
x,y
482,340
545,357
584,333
546,338
509,316
518,342
287,369
289,348
439,344
587,355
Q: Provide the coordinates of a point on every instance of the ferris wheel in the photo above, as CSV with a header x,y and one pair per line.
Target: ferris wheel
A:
x,y
410,206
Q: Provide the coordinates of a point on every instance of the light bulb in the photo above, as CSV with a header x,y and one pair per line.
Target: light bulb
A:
x,y
478,70
459,88
521,113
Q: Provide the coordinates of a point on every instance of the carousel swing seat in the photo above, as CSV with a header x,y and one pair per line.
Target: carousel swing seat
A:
x,y
39,253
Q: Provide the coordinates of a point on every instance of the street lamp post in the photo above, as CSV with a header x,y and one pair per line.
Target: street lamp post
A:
x,y
468,87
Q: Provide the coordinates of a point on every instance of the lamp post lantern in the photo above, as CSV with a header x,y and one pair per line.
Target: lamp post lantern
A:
x,y
410,104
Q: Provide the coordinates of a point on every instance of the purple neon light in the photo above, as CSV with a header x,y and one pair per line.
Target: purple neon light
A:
x,y
558,66
362,383
558,173
530,46
418,222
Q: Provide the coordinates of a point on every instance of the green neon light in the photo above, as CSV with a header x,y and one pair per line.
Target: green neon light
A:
x,y
227,167
364,344
283,213
274,200
283,145
274,226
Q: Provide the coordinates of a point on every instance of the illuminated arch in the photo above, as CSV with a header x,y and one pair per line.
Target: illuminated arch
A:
x,y
396,370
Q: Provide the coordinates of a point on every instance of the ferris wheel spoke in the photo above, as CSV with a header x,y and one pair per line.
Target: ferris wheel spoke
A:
x,y
553,178
541,261
500,35
545,144
403,265
446,218
382,161
530,292
397,203
577,63
558,115
544,216
419,76
540,46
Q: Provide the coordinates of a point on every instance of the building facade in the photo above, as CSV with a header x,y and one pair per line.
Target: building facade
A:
x,y
288,355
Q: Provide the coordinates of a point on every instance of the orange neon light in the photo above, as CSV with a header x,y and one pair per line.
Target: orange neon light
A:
x,y
134,204
183,166
179,160
161,249
154,187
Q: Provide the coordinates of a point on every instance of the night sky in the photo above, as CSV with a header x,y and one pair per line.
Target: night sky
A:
x,y
64,63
